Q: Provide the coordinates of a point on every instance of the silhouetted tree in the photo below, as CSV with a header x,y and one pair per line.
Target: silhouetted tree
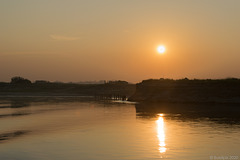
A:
x,y
20,80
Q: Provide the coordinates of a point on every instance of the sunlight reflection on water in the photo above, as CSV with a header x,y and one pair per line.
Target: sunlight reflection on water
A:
x,y
161,134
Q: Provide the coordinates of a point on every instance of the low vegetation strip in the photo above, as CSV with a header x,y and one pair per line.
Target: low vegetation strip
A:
x,y
185,90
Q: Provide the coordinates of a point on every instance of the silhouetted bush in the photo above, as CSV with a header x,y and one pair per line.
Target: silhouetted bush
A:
x,y
41,82
119,82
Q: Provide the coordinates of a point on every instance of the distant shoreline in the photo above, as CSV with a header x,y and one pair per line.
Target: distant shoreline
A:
x,y
152,90
21,87
188,91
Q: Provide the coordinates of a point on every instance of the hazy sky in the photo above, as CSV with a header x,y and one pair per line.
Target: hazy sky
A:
x,y
78,40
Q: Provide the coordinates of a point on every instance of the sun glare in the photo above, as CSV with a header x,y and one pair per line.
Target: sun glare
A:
x,y
161,49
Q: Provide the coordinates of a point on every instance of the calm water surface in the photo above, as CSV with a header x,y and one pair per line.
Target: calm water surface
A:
x,y
91,130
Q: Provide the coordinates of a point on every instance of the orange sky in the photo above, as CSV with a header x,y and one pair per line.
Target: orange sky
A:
x,y
109,40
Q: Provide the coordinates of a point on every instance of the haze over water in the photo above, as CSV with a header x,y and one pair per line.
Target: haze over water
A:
x,y
93,130
79,40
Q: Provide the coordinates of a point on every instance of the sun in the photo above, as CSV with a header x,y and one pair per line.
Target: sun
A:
x,y
161,49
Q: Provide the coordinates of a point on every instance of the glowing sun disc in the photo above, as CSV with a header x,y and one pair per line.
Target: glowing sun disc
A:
x,y
161,49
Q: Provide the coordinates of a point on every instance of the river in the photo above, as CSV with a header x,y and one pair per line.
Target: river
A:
x,y
113,130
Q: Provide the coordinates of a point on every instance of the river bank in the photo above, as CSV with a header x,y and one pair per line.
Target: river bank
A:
x,y
188,91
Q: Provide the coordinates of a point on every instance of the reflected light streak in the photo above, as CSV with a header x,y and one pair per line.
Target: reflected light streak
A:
x,y
161,134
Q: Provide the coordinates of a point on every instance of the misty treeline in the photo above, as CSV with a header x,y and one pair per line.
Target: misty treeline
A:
x,y
22,86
